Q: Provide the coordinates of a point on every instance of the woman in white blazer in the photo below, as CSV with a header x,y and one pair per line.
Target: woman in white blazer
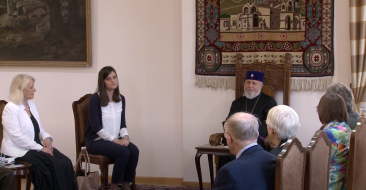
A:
x,y
25,139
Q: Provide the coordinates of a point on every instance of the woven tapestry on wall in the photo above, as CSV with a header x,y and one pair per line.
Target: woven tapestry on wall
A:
x,y
262,31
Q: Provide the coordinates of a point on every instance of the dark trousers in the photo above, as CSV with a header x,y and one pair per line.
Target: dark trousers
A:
x,y
7,180
126,158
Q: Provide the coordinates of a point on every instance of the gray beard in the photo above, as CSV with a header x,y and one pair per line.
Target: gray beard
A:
x,y
251,96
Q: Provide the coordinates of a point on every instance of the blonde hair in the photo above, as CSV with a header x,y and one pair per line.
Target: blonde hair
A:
x,y
19,83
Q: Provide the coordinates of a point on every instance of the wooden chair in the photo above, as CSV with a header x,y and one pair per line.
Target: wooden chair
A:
x,y
290,166
2,106
81,118
356,171
276,77
318,154
23,172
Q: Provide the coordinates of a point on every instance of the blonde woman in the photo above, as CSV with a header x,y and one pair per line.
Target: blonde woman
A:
x,y
26,140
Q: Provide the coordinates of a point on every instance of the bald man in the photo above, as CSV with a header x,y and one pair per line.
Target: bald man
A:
x,y
253,168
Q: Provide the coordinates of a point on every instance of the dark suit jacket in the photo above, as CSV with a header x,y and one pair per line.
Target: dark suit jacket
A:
x,y
353,118
254,169
95,118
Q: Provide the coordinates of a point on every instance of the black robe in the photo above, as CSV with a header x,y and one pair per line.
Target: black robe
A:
x,y
261,109
279,148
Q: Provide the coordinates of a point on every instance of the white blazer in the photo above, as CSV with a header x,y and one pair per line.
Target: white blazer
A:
x,y
18,132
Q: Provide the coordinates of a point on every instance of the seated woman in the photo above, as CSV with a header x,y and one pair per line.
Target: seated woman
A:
x,y
347,95
26,140
282,124
106,132
332,111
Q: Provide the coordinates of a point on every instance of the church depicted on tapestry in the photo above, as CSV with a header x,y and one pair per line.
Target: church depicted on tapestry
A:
x,y
262,15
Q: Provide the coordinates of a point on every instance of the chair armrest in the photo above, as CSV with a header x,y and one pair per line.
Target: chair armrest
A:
x,y
215,139
268,144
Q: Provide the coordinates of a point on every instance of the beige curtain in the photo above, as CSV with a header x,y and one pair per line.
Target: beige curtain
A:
x,y
358,46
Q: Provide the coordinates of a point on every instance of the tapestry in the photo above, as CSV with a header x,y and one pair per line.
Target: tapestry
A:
x,y
262,31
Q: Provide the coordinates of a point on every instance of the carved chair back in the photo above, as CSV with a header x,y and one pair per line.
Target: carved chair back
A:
x,y
290,166
2,105
276,76
80,110
318,154
356,171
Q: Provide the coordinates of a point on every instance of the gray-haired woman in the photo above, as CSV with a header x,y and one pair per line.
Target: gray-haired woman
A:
x,y
282,124
347,95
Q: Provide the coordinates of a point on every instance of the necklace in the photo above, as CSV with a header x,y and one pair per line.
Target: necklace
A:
x,y
27,108
246,104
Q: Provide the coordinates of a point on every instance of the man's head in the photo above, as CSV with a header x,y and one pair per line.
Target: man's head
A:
x,y
344,92
253,84
241,129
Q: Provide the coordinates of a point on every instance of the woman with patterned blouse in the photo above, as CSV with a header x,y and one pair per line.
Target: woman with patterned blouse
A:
x,y
332,111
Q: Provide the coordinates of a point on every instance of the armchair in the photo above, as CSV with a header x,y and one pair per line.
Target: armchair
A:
x,y
318,154
290,166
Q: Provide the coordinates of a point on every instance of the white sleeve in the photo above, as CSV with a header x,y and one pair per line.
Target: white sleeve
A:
x,y
105,135
123,132
12,127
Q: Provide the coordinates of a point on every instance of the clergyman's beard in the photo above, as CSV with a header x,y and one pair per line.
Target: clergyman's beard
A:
x,y
251,96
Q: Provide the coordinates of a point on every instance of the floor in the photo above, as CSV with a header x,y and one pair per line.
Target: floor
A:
x,y
142,187
23,185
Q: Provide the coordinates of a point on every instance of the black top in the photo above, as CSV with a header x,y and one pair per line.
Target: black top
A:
x,y
36,130
353,118
279,148
264,104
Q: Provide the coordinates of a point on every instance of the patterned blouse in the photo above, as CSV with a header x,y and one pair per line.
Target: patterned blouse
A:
x,y
339,134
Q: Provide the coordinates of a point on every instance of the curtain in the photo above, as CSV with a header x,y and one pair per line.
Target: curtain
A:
x,y
358,44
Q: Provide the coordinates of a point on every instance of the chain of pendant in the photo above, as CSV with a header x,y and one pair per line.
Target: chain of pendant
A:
x,y
246,104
